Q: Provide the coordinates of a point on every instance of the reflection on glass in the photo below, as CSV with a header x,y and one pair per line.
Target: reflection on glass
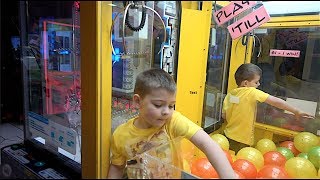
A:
x,y
219,48
154,164
51,59
294,79
142,49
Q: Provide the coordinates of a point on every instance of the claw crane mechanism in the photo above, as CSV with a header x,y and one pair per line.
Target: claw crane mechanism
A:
x,y
135,5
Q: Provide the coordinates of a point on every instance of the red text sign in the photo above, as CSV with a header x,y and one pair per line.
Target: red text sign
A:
x,y
284,53
231,10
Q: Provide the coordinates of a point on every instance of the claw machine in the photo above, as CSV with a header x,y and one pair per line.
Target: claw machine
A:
x,y
50,38
285,48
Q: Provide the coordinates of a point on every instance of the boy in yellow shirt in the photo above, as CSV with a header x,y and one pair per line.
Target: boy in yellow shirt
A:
x,y
158,123
240,105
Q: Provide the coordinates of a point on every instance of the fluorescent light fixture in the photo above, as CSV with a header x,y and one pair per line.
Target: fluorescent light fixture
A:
x,y
112,4
283,7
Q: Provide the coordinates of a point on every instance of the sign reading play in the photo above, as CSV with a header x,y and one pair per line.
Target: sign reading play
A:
x,y
231,11
249,22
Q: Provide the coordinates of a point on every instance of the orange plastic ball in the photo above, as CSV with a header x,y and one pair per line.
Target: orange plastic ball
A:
x,y
228,156
272,172
290,145
245,167
274,158
203,169
239,175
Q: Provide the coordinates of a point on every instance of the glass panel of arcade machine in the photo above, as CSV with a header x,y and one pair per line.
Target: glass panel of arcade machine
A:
x,y
143,48
51,58
293,76
217,69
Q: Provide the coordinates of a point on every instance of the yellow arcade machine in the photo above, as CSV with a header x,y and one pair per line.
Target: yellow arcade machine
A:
x,y
206,93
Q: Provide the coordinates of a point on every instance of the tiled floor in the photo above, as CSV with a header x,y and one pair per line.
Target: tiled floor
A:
x,y
10,133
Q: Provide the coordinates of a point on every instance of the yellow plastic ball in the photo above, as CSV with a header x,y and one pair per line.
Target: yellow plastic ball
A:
x,y
186,166
253,155
233,156
221,140
298,167
304,141
266,145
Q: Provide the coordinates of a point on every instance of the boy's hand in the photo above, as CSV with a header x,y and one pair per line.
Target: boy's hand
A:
x,y
301,114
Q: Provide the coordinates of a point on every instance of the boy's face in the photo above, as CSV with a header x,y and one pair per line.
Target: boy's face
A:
x,y
156,108
253,83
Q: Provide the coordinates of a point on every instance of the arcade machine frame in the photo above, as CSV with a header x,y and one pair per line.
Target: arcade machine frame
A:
x,y
35,158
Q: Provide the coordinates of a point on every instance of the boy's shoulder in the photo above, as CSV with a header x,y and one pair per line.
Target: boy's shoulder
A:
x,y
125,126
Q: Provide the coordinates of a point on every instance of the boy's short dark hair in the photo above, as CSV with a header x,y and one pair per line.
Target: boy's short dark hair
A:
x,y
153,79
247,72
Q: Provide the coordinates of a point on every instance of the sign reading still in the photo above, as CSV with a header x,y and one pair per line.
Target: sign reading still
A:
x,y
249,22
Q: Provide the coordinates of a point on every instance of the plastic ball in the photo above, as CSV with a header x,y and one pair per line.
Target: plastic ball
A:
x,y
314,156
304,141
245,167
203,168
186,166
234,157
253,155
239,175
221,140
272,172
298,167
274,158
290,145
265,145
303,155
227,153
285,152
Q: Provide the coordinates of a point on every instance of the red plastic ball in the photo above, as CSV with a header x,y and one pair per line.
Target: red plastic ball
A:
x,y
290,145
274,158
203,169
272,172
245,167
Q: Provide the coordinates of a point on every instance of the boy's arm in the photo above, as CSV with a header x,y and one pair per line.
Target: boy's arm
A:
x,y
115,172
281,104
214,153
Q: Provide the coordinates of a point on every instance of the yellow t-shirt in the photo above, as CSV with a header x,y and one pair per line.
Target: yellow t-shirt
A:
x,y
128,141
240,107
